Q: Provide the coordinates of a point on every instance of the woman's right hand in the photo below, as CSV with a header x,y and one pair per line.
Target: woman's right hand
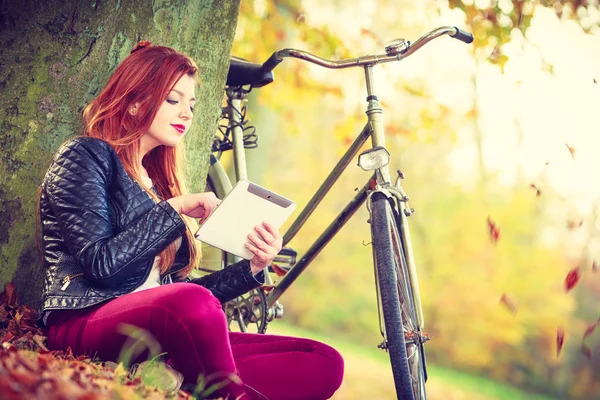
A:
x,y
195,205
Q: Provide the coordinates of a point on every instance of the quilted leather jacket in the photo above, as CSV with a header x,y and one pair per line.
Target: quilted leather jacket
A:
x,y
101,232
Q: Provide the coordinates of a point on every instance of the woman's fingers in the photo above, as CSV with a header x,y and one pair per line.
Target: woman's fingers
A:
x,y
269,234
265,244
197,205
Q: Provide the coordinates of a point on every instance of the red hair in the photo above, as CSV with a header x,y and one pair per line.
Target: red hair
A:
x,y
144,78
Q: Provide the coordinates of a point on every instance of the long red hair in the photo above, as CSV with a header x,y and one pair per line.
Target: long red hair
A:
x,y
145,78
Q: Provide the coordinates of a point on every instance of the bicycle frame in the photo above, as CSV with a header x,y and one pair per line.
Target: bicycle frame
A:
x,y
374,129
379,182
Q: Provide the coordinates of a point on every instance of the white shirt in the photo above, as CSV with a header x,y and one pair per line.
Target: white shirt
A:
x,y
153,279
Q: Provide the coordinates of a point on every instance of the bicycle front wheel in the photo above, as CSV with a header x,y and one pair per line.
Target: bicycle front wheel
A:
x,y
402,336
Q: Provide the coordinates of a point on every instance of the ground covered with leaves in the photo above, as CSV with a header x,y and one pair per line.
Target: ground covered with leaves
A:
x,y
29,370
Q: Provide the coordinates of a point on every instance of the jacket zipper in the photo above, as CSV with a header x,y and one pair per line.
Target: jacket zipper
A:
x,y
67,280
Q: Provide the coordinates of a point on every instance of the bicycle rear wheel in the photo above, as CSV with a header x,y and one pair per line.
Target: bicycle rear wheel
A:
x,y
402,337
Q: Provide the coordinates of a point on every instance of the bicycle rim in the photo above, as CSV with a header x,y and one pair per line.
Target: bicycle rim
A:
x,y
402,336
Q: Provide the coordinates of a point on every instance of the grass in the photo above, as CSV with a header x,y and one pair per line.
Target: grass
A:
x,y
368,375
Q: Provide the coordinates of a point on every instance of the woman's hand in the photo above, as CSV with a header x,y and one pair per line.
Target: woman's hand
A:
x,y
265,243
195,205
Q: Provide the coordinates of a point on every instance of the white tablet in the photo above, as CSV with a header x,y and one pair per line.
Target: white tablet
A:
x,y
246,206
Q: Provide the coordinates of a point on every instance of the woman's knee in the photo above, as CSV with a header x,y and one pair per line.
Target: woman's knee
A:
x,y
188,300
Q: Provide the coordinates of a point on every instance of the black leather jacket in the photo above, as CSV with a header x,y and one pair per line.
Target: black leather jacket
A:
x,y
101,232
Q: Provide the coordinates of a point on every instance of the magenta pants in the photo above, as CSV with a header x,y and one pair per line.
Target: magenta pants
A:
x,y
190,325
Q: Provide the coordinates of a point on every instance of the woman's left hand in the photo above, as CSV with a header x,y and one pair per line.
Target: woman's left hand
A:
x,y
265,243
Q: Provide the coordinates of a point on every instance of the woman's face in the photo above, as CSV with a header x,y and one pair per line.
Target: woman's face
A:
x,y
174,116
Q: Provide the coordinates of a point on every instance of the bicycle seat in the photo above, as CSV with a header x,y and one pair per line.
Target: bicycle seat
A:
x,y
243,72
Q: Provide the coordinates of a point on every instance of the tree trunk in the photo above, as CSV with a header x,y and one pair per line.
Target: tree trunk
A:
x,y
55,57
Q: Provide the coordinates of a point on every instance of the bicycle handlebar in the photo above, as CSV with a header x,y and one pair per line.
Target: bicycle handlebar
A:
x,y
393,53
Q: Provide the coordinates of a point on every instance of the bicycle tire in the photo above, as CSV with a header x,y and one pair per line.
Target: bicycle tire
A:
x,y
406,357
243,311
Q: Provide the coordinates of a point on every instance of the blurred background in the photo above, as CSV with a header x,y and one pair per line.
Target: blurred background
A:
x,y
502,133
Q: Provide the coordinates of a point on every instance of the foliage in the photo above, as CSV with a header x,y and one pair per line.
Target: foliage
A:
x,y
493,21
494,259
29,370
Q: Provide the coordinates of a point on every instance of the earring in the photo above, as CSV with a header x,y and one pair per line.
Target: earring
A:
x,y
133,110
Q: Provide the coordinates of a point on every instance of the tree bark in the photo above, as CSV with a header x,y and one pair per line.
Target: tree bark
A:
x,y
55,57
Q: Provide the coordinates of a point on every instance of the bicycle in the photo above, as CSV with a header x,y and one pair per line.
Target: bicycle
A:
x,y
400,315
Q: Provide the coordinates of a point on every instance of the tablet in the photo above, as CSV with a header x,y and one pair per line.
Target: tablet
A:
x,y
246,206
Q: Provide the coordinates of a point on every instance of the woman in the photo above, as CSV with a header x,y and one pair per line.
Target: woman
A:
x,y
118,246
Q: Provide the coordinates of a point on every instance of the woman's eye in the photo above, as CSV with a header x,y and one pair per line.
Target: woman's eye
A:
x,y
192,109
172,101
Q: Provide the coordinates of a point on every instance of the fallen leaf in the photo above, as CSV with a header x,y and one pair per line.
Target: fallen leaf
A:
x,y
11,294
39,340
493,229
571,150
572,279
560,340
509,303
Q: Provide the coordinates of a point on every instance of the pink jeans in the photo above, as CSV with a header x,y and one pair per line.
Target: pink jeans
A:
x,y
189,323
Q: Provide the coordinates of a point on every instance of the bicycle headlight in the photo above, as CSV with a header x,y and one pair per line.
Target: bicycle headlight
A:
x,y
374,158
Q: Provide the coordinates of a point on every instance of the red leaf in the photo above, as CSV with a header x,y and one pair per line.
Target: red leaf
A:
x,y
278,270
590,329
509,303
572,279
494,231
574,224
267,288
560,340
586,350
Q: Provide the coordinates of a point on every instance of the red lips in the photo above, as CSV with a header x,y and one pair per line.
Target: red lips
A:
x,y
180,128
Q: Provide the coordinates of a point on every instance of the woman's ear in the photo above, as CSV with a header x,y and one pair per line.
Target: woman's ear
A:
x,y
133,109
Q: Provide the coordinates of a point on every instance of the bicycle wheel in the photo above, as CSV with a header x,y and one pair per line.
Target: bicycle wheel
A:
x,y
248,312
402,337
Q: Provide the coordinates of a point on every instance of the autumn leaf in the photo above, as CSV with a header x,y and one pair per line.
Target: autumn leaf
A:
x,y
560,340
509,303
571,150
278,270
574,224
493,229
11,294
538,192
586,350
267,288
572,279
590,329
